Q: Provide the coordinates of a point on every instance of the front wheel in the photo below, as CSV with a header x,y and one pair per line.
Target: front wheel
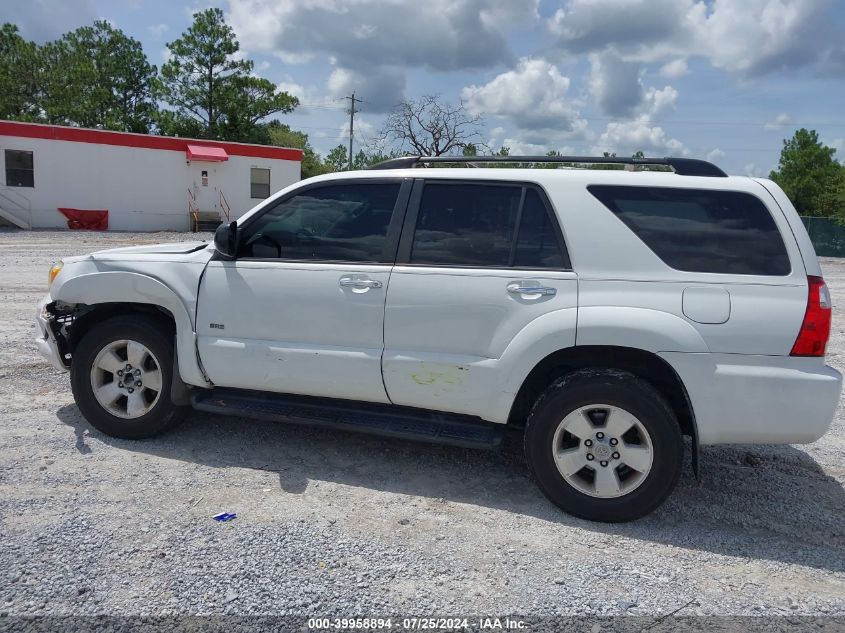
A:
x,y
603,445
121,375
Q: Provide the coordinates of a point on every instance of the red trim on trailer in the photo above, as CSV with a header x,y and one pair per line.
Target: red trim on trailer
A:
x,y
144,141
215,154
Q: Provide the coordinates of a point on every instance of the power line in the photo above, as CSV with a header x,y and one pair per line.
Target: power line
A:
x,y
664,121
321,106
317,127
669,120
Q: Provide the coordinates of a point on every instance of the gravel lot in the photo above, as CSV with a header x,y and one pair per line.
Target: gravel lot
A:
x,y
338,524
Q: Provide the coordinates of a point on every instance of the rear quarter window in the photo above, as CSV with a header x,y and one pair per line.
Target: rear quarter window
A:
x,y
701,230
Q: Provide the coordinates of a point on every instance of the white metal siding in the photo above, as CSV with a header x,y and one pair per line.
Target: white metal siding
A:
x,y
143,189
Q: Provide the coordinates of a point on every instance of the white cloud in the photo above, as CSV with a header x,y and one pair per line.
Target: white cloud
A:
x,y
239,55
310,99
753,171
533,95
364,129
780,120
658,102
675,69
534,99
294,59
365,132
627,137
291,87
364,31
519,148
753,37
158,30
761,36
715,155
839,145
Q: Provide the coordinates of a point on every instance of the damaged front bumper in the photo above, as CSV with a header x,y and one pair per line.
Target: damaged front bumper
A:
x,y
46,341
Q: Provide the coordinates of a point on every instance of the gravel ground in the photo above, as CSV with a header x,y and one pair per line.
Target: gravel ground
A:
x,y
338,524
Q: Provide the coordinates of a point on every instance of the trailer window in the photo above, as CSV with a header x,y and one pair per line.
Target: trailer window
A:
x,y
259,183
19,171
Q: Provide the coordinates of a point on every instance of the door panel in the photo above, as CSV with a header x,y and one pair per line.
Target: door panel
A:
x,y
445,330
478,262
301,309
293,328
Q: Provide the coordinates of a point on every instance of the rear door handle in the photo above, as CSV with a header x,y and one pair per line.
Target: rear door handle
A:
x,y
522,288
359,282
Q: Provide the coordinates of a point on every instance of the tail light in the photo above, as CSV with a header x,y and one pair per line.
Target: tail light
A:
x,y
815,330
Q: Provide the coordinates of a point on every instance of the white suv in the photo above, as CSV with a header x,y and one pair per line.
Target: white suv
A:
x,y
603,313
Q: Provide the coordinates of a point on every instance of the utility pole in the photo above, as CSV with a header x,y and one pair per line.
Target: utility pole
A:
x,y
352,112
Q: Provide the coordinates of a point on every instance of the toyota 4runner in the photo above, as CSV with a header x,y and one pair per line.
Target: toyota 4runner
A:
x,y
603,314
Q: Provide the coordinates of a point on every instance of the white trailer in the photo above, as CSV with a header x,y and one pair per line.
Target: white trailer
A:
x,y
56,177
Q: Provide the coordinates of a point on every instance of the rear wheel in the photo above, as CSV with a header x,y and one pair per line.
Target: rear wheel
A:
x,y
121,375
604,445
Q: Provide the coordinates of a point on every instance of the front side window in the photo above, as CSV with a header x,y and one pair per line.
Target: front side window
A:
x,y
343,222
701,230
259,183
19,169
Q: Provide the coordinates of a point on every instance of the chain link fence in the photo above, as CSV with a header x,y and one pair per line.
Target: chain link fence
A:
x,y
827,235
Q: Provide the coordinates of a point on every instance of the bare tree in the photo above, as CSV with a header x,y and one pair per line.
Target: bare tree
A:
x,y
429,127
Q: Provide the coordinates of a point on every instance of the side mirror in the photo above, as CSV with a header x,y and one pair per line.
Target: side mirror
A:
x,y
226,240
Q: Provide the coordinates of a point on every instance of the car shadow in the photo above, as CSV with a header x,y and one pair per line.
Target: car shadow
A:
x,y
772,502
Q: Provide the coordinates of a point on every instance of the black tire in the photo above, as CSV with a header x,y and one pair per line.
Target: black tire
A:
x,y
615,388
155,335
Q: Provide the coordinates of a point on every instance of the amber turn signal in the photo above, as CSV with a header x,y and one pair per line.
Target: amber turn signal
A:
x,y
55,270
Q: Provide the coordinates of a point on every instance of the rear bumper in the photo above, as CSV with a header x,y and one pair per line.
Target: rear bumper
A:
x,y
45,342
758,399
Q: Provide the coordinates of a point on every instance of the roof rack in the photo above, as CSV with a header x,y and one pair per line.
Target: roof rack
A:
x,y
681,166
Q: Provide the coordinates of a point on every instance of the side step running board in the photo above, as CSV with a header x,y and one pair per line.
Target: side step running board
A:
x,y
375,419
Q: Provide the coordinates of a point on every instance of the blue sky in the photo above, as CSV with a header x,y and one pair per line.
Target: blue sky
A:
x,y
721,79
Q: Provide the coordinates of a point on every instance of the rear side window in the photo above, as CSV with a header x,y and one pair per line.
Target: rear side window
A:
x,y
466,225
495,226
537,245
700,230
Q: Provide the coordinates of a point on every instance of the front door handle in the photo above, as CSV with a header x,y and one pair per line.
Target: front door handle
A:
x,y
359,282
522,288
